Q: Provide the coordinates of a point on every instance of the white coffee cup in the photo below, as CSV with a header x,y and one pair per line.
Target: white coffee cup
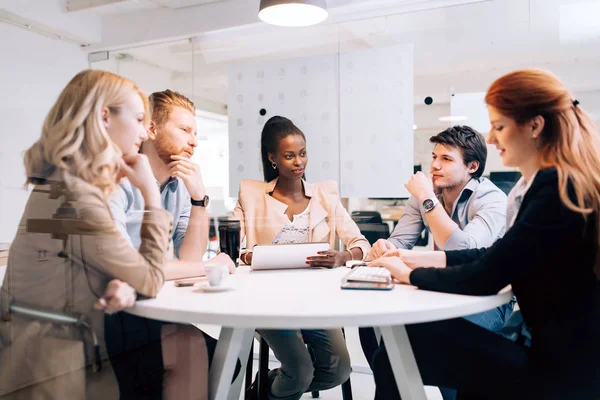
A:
x,y
216,273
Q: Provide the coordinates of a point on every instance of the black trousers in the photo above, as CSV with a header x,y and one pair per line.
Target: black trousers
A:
x,y
135,352
482,365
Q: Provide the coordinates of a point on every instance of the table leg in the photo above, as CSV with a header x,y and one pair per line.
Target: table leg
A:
x,y
403,363
232,341
245,357
377,334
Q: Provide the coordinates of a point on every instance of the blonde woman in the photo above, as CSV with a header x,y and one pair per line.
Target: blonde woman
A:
x,y
68,256
549,255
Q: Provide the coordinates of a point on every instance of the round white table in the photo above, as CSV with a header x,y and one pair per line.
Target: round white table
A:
x,y
308,299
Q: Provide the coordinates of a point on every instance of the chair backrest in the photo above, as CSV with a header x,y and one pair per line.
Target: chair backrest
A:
x,y
366,216
506,187
374,231
505,180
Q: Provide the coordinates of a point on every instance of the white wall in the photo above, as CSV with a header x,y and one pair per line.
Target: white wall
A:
x,y
304,90
376,120
472,106
359,125
33,71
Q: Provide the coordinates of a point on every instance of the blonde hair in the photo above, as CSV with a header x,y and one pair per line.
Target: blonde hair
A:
x,y
161,104
74,138
569,140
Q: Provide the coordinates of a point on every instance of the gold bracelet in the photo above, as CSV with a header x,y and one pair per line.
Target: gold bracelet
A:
x,y
245,258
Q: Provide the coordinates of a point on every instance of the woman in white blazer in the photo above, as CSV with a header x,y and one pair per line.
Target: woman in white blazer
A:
x,y
286,209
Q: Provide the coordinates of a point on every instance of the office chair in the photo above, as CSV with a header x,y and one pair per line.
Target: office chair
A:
x,y
61,318
374,231
423,239
263,369
506,187
366,216
505,180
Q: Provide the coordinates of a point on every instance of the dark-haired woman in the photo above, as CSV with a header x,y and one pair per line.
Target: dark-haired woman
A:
x,y
286,209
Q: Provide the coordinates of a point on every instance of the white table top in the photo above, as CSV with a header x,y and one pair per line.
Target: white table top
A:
x,y
307,299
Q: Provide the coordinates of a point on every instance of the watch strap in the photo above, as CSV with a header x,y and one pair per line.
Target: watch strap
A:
x,y
201,203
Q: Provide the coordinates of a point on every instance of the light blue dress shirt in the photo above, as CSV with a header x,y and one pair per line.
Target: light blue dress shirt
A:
x,y
127,207
479,212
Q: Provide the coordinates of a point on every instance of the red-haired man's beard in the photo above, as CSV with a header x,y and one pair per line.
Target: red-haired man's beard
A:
x,y
166,148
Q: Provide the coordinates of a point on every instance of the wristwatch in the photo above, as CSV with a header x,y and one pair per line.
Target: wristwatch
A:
x,y
201,203
429,204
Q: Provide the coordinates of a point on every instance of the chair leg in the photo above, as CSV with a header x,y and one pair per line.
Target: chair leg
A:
x,y
315,393
249,370
347,390
346,386
263,370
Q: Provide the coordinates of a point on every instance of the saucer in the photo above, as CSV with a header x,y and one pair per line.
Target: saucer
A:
x,y
213,289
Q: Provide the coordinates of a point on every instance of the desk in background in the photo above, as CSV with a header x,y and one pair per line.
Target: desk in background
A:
x,y
392,214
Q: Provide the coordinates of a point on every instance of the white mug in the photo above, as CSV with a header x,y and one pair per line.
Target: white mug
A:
x,y
216,273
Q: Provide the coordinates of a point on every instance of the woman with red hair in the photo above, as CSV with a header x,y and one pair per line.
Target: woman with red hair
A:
x,y
548,255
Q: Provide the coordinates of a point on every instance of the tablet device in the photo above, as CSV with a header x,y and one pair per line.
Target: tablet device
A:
x,y
284,256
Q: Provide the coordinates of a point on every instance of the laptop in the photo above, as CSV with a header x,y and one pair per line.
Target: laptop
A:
x,y
284,256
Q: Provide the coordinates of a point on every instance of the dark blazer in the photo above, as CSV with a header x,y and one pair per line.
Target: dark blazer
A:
x,y
548,256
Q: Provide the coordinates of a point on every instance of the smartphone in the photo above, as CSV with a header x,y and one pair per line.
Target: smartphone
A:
x,y
352,285
189,282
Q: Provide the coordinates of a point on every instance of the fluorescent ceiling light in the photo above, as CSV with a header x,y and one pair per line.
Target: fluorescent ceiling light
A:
x,y
453,118
292,12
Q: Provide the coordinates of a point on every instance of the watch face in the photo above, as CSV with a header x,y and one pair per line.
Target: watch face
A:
x,y
428,204
205,201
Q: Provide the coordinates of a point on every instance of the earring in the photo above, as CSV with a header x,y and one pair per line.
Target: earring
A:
x,y
274,165
105,126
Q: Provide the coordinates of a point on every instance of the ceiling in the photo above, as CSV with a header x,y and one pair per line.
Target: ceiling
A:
x,y
456,49
112,7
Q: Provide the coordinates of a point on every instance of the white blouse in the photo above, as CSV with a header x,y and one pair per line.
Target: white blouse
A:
x,y
295,231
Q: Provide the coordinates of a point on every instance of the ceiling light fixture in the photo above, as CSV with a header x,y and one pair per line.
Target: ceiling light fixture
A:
x,y
414,127
453,118
292,12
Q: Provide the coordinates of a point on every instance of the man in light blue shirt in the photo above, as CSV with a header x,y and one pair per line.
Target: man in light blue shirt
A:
x,y
171,144
460,209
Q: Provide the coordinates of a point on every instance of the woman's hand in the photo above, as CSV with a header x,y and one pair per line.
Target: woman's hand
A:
x,y
399,270
117,296
136,168
415,259
328,259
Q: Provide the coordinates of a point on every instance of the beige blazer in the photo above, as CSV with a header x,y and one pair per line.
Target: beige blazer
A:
x,y
262,217
37,277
